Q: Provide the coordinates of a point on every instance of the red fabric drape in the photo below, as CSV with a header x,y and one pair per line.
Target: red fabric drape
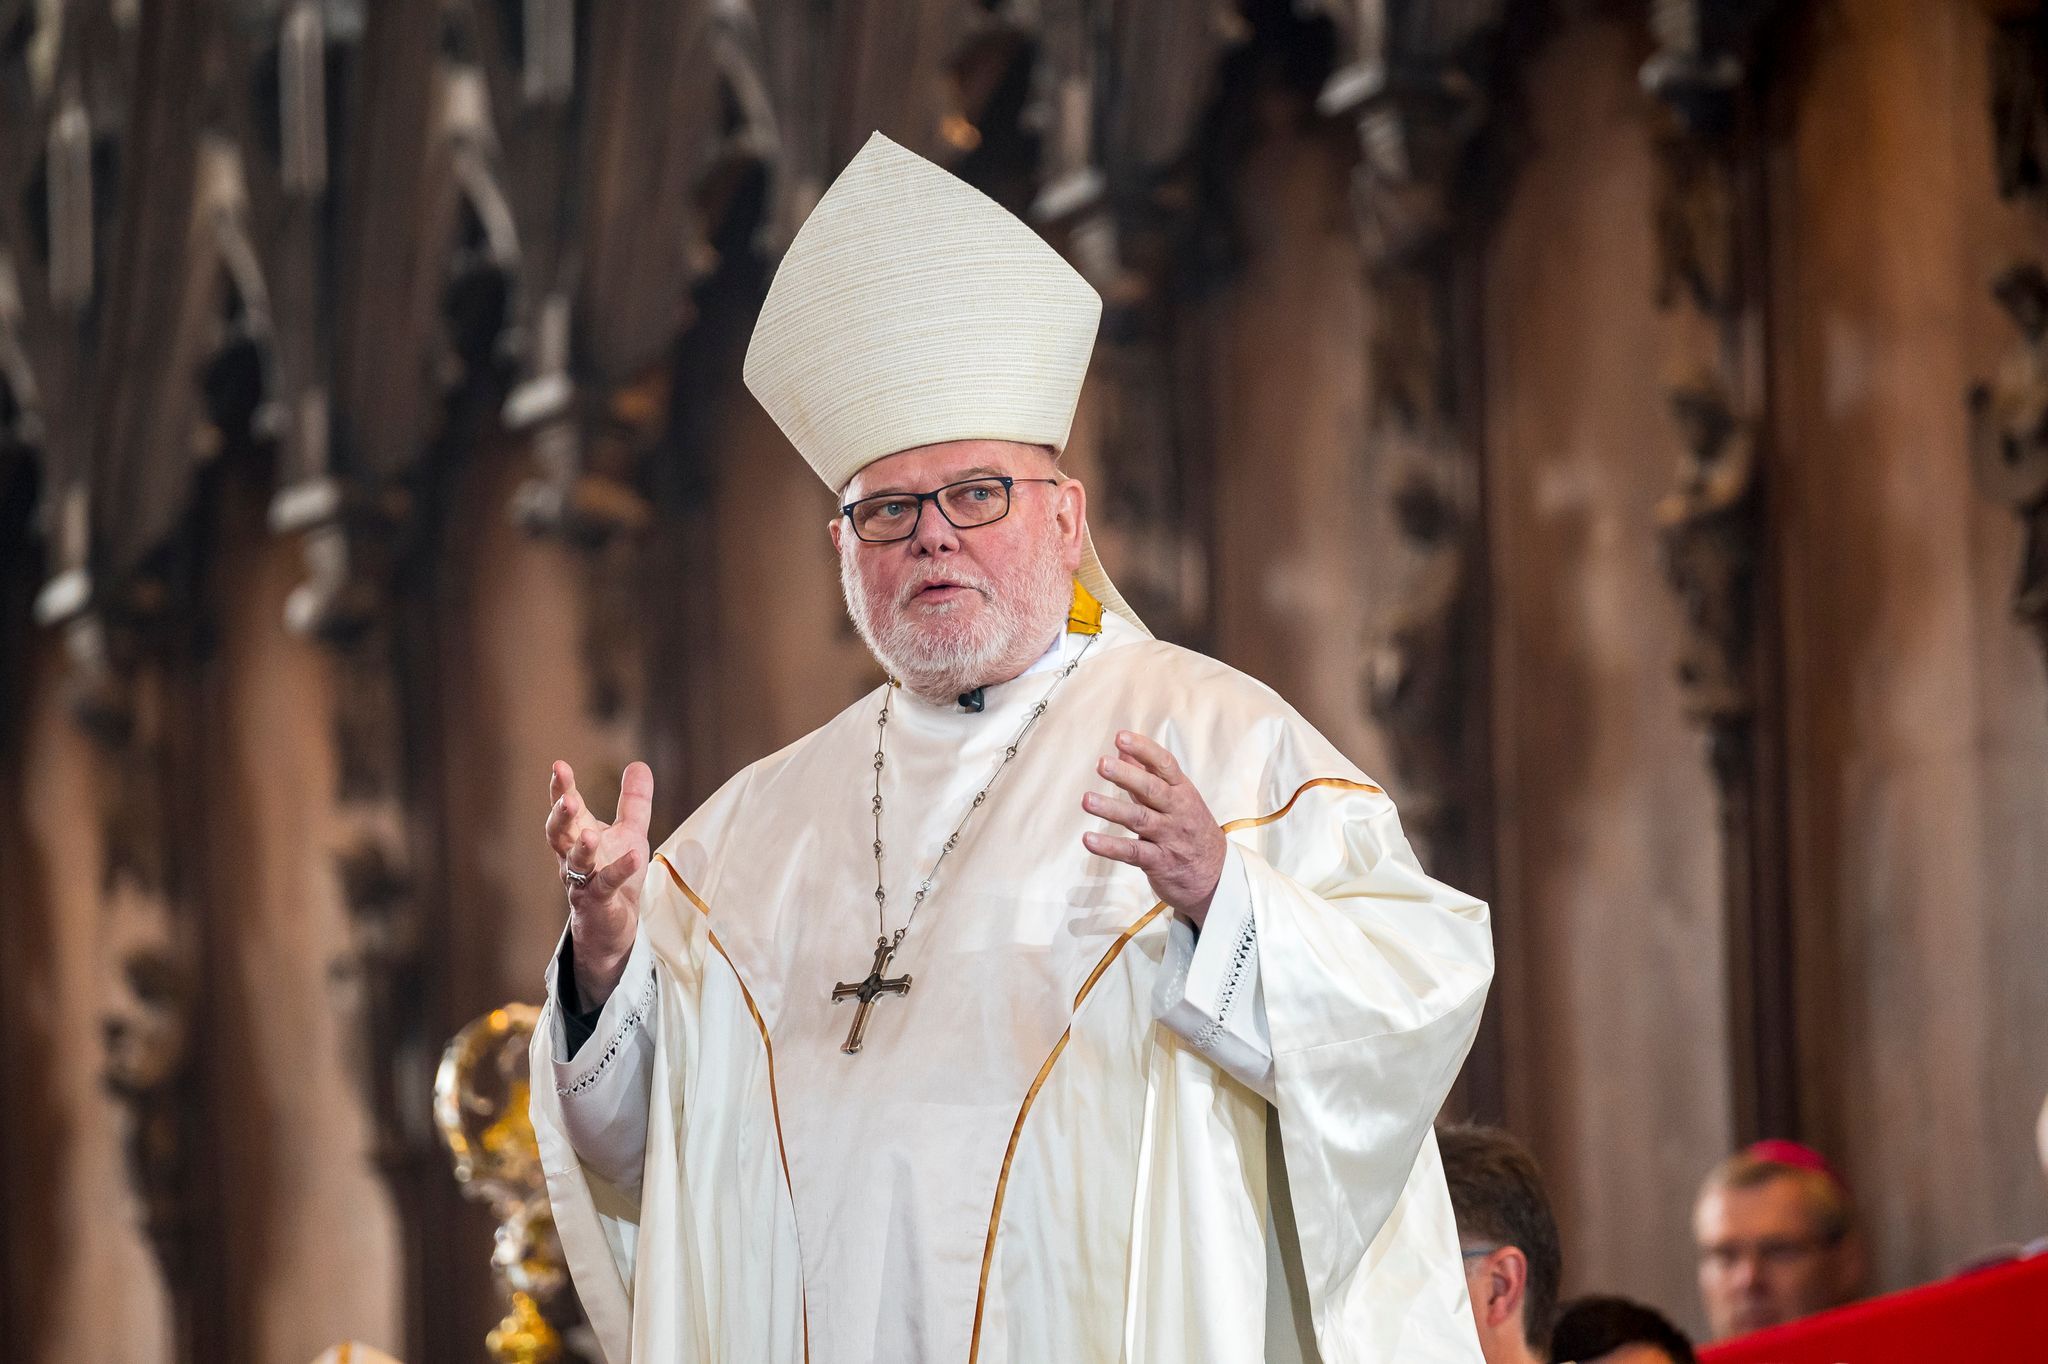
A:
x,y
1991,1316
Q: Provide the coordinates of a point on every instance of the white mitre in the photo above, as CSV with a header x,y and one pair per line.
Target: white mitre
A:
x,y
913,309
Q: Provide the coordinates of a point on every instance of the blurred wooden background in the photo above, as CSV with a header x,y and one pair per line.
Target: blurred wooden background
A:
x,y
1623,427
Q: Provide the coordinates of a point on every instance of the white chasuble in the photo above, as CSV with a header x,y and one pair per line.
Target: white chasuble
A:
x,y
1053,1148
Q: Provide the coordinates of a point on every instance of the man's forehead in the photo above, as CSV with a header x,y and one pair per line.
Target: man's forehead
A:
x,y
925,466
1775,1203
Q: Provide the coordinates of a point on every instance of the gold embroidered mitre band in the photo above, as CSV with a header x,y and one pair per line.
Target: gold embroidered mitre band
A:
x,y
911,309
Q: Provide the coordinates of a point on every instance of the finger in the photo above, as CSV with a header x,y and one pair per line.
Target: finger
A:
x,y
636,797
616,873
1146,787
1139,819
582,855
1151,754
562,821
561,786
1136,852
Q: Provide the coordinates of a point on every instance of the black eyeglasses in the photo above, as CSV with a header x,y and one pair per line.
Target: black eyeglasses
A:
x,y
889,517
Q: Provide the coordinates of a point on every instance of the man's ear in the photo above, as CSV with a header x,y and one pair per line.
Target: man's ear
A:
x,y
1504,1284
836,527
1071,510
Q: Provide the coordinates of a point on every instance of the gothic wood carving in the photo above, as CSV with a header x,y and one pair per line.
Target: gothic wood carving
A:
x,y
26,1068
2009,424
381,209
1131,192
2009,414
1413,79
80,302
603,293
1711,526
1418,82
2019,97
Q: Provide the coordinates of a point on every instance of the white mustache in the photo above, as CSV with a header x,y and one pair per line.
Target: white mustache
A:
x,y
951,579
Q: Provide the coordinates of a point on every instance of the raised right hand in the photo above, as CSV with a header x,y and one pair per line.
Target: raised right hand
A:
x,y
604,912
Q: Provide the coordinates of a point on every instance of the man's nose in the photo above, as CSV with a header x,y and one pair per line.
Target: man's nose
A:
x,y
933,534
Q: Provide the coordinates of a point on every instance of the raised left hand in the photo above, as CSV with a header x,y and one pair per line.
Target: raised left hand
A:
x,y
1179,846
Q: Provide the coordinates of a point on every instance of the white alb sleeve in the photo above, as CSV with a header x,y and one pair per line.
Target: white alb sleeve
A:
x,y
1209,991
605,1089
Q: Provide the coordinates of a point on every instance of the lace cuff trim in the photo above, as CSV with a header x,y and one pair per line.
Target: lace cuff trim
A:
x,y
1243,953
620,1035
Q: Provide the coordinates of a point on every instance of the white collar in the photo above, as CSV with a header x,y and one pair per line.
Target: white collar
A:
x,y
1054,655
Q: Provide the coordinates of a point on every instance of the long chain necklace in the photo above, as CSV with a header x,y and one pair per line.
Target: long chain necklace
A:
x,y
876,985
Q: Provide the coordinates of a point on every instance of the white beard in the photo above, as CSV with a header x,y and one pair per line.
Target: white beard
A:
x,y
939,663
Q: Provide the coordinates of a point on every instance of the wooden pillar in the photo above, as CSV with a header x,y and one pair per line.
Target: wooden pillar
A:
x,y
383,394
1710,230
2009,430
1125,186
1417,89
98,308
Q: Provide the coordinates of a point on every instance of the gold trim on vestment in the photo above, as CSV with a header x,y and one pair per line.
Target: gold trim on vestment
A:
x,y
1341,783
768,1048
1017,1131
995,1216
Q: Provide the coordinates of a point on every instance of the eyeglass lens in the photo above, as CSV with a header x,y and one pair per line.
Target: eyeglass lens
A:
x,y
892,516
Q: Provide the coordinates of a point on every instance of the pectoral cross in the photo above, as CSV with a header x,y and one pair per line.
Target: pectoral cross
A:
x,y
868,991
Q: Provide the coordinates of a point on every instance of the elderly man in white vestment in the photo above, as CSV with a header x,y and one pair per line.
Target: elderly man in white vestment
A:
x,y
954,1030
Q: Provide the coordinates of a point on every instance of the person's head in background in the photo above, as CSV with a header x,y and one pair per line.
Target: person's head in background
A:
x,y
1777,1239
1508,1237
1603,1330
2041,1138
